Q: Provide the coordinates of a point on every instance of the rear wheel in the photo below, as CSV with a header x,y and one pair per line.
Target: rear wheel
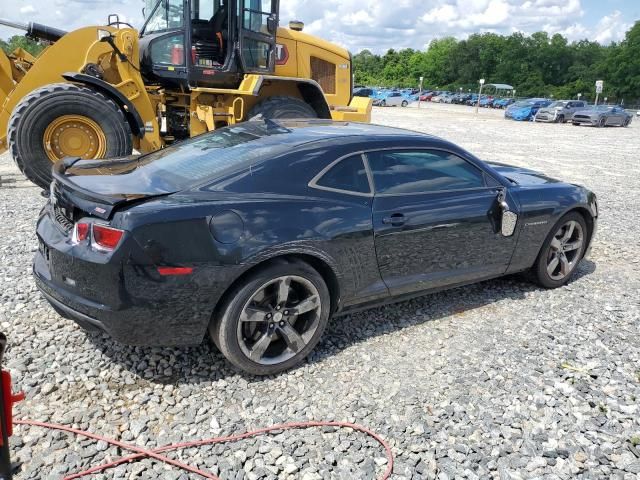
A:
x,y
405,103
282,107
274,319
562,251
65,120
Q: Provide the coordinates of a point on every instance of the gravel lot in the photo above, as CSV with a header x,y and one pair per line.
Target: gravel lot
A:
x,y
497,380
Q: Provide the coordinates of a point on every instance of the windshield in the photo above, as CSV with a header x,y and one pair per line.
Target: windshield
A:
x,y
558,104
165,15
524,103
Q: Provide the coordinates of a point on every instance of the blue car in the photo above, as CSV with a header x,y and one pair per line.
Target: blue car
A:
x,y
525,109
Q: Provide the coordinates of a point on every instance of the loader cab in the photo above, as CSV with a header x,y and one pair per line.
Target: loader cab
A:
x,y
208,43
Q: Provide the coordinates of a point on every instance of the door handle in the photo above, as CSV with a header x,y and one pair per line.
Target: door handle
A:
x,y
396,220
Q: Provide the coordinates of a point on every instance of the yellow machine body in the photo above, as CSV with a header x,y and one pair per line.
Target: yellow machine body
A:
x,y
302,58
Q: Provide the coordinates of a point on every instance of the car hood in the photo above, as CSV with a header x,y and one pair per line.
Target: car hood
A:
x,y
590,112
521,175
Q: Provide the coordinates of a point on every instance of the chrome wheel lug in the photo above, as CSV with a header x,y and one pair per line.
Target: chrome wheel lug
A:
x,y
282,324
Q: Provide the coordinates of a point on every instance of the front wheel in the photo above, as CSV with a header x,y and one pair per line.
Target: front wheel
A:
x,y
561,252
627,122
65,120
602,122
560,119
405,103
274,319
383,103
282,107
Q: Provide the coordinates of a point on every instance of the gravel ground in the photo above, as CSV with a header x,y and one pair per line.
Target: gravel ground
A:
x,y
497,380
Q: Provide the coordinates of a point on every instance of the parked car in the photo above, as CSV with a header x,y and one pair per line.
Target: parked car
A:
x,y
603,116
393,99
363,92
559,111
486,102
503,103
426,97
258,233
525,109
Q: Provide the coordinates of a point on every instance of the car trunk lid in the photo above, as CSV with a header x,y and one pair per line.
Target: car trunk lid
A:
x,y
97,188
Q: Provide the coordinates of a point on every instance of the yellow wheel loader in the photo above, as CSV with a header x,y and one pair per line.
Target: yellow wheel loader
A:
x,y
196,65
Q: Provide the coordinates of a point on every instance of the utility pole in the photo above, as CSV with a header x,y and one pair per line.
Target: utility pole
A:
x,y
420,93
479,95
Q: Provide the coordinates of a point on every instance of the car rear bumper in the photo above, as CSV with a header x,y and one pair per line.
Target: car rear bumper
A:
x,y
129,301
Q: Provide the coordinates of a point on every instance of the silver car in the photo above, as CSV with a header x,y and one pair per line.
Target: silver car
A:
x,y
394,99
602,116
560,111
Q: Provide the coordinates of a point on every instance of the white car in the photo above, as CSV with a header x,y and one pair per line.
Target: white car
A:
x,y
394,99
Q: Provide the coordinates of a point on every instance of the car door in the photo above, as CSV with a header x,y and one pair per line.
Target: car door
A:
x,y
435,218
617,116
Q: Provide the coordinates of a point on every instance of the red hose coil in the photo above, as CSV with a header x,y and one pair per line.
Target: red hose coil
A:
x,y
141,453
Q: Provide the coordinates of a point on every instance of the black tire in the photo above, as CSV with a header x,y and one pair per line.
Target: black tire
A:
x,y
560,119
405,103
575,124
224,328
40,108
282,107
627,121
602,122
539,271
383,103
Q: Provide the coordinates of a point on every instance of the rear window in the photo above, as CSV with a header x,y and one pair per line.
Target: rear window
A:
x,y
192,161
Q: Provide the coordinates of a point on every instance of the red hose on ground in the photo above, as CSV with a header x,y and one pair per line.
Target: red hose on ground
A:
x,y
155,453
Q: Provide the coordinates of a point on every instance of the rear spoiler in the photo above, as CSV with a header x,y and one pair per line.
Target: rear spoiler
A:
x,y
96,204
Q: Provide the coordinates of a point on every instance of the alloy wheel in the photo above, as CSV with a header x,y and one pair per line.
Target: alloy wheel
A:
x,y
565,250
279,320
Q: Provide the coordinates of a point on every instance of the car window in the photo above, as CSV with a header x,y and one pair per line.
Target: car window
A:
x,y
422,171
348,174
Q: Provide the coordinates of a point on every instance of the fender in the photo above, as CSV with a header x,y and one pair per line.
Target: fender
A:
x,y
309,89
130,112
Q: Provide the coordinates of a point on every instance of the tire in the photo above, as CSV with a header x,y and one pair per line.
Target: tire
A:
x,y
405,103
38,110
383,103
540,270
575,124
627,122
282,107
602,122
560,119
230,334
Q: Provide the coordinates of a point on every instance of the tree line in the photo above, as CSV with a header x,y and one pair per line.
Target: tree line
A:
x,y
536,65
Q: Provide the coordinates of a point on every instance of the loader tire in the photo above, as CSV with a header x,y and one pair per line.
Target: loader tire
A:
x,y
282,107
98,129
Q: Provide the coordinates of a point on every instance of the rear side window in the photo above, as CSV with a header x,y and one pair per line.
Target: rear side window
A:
x,y
348,175
422,171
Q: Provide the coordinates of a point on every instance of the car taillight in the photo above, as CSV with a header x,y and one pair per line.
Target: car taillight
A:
x,y
80,232
106,238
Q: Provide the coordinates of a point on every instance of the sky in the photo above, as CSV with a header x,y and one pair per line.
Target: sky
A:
x,y
376,24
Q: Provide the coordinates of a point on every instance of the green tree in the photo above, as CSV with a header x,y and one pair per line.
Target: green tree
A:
x,y
20,41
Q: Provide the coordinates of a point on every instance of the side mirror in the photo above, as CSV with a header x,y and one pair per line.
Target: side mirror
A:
x,y
272,24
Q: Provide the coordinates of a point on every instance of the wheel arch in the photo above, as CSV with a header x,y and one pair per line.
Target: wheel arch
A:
x,y
307,89
128,109
321,265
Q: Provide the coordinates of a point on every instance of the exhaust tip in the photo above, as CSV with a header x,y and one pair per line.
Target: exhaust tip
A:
x,y
296,25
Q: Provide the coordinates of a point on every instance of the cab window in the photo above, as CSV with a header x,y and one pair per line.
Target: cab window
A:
x,y
167,15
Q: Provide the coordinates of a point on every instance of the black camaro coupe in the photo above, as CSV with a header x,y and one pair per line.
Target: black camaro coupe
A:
x,y
259,233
